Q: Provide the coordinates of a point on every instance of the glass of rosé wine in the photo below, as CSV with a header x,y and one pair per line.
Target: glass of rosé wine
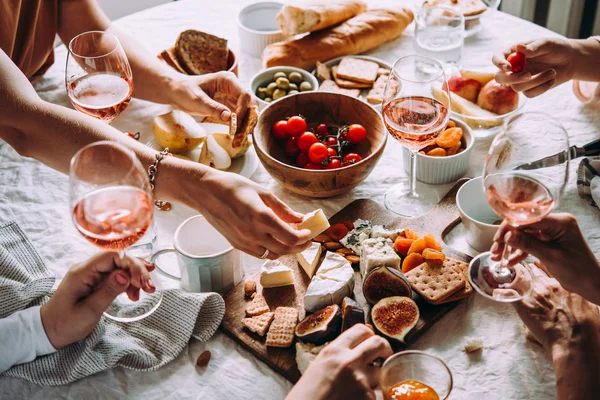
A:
x,y
98,76
111,201
414,117
522,191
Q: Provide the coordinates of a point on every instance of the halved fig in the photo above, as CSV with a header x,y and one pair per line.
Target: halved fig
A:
x,y
321,326
384,282
352,314
395,316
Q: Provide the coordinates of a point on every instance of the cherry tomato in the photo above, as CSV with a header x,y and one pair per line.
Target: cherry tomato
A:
x,y
331,141
351,158
334,163
279,130
312,165
291,147
331,152
517,62
322,130
356,134
306,140
318,152
302,160
295,126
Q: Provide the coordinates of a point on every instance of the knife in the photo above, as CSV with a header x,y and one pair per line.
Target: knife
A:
x,y
590,149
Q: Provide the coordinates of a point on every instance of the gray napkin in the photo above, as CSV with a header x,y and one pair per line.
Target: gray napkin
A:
x,y
144,345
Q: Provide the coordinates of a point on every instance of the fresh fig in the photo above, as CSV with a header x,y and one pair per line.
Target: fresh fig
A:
x,y
321,326
384,282
395,316
352,314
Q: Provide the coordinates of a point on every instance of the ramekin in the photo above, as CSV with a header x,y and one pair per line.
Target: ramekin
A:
x,y
257,27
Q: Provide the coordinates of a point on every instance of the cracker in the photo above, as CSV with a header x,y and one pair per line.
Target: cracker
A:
x,y
467,290
249,288
323,71
281,333
358,70
331,86
375,95
347,84
380,82
259,324
257,306
435,283
383,71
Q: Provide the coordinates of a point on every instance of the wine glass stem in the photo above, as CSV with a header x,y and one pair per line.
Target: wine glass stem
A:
x,y
413,173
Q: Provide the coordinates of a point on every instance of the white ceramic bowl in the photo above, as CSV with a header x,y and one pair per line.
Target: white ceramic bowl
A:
x,y
439,170
257,27
266,76
476,214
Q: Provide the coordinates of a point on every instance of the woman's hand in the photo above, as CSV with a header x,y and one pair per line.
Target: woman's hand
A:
x,y
87,291
549,63
216,95
559,244
343,369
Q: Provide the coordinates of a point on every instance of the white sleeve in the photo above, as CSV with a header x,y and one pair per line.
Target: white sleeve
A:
x,y
22,338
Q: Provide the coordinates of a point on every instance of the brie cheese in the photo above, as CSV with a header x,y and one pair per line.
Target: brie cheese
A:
x,y
375,252
316,222
274,274
333,281
306,353
309,258
380,231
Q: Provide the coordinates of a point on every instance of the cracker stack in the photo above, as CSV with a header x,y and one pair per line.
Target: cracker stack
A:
x,y
281,333
440,284
259,324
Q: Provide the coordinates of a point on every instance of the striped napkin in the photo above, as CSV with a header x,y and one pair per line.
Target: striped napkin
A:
x,y
588,183
144,345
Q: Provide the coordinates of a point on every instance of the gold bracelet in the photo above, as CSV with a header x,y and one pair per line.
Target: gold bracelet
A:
x,y
152,171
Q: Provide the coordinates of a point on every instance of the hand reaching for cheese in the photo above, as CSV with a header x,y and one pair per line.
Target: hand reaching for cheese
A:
x,y
343,369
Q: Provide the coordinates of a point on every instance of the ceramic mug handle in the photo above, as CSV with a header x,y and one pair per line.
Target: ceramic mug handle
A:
x,y
154,259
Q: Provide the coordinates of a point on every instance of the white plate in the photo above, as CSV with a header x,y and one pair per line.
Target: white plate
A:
x,y
363,92
244,166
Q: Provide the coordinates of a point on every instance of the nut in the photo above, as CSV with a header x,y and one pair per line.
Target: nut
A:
x,y
346,252
203,359
249,287
332,245
322,238
353,259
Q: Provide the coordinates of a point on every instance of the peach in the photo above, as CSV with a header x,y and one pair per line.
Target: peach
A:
x,y
465,88
498,98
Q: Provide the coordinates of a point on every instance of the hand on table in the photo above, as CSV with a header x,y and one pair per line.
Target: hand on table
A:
x,y
343,369
549,63
87,290
559,244
215,95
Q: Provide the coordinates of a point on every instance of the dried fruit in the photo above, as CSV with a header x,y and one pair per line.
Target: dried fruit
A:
x,y
353,259
352,314
337,231
395,316
348,224
431,255
402,245
320,326
449,138
431,243
322,238
437,152
451,124
203,359
409,234
384,282
412,261
332,245
249,288
453,150
417,247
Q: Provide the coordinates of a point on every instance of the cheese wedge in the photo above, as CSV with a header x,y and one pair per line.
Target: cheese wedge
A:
x,y
306,353
274,274
375,252
333,281
481,118
316,222
309,258
354,239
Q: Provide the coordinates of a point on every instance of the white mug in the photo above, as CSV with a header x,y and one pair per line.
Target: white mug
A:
x,y
208,263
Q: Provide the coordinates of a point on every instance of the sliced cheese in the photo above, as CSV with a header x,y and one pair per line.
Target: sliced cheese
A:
x,y
316,222
331,261
274,274
333,281
309,258
375,252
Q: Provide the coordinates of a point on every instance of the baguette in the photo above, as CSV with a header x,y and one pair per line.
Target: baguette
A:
x,y
301,16
356,35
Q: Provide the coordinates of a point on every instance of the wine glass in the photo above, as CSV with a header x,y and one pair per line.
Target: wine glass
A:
x,y
111,202
522,191
415,111
98,76
416,369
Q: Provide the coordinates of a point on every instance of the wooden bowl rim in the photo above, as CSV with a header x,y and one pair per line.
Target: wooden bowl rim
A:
x,y
373,153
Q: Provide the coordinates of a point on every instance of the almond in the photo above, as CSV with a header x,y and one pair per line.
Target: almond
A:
x,y
353,259
249,287
203,359
346,252
333,245
322,238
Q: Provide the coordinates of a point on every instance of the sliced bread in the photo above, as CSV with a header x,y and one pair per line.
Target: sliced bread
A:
x,y
201,53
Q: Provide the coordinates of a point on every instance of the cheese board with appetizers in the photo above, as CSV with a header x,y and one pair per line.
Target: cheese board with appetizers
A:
x,y
365,265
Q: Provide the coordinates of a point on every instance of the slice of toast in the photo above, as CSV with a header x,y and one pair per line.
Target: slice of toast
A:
x,y
170,58
201,53
246,128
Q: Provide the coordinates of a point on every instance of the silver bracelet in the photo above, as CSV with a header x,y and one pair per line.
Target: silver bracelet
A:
x,y
152,171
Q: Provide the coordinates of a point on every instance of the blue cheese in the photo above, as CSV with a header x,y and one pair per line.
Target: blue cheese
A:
x,y
376,252
381,231
362,225
353,240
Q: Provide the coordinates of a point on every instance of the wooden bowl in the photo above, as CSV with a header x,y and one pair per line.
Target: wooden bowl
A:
x,y
320,107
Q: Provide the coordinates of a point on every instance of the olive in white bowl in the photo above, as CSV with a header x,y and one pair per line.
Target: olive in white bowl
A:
x,y
276,83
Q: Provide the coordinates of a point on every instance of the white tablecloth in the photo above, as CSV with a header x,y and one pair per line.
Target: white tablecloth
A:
x,y
36,197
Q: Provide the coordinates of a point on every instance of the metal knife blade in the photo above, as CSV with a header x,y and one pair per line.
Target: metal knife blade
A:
x,y
555,159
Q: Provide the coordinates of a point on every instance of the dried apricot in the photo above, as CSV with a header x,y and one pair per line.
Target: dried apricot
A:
x,y
437,152
449,138
434,256
401,245
407,233
451,124
452,150
417,247
348,224
431,243
412,261
337,231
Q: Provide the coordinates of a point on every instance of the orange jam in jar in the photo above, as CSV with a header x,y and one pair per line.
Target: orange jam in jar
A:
x,y
411,390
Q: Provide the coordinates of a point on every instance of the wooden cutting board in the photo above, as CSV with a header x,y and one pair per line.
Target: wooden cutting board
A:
x,y
439,221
